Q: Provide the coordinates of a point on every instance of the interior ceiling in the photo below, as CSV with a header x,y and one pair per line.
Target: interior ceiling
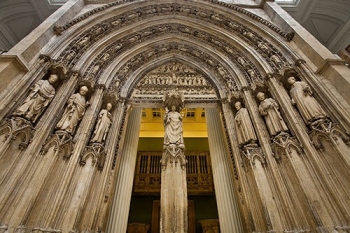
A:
x,y
328,21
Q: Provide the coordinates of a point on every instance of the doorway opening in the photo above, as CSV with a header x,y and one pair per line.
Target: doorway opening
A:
x,y
145,201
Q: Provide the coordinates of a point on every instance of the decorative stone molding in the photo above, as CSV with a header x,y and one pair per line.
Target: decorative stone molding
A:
x,y
18,127
326,128
45,230
271,54
173,8
173,75
3,228
210,225
283,144
98,154
138,228
20,229
62,143
122,44
253,152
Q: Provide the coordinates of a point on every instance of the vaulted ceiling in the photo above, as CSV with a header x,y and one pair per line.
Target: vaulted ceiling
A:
x,y
328,21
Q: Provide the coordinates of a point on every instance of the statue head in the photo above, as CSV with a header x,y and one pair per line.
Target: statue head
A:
x,y
173,108
109,106
83,90
238,105
291,80
53,78
260,96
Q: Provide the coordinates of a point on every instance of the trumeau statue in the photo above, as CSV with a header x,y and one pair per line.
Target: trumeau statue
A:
x,y
173,119
39,97
173,127
307,105
103,125
244,126
74,111
270,110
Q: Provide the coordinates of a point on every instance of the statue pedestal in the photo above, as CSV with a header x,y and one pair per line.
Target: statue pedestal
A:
x,y
137,228
210,225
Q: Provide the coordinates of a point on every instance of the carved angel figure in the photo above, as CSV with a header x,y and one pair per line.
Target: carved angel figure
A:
x,y
307,105
244,126
74,111
270,110
103,125
40,96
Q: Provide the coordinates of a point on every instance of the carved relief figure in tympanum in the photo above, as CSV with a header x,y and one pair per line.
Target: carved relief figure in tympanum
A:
x,y
269,109
173,128
74,111
103,125
40,96
244,126
307,105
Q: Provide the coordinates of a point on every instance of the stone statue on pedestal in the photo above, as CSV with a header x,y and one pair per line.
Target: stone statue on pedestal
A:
x,y
103,125
173,128
173,197
40,96
270,110
74,111
244,126
307,105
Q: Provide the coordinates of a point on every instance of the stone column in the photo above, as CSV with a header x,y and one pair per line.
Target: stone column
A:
x,y
229,217
173,195
118,218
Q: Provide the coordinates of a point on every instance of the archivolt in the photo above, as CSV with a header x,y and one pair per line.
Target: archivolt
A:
x,y
223,37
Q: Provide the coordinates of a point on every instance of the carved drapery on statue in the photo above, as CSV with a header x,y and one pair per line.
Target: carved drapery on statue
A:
x,y
40,96
307,105
244,126
173,145
103,124
270,110
74,111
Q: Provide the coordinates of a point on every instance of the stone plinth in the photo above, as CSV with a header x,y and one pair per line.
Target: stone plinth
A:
x,y
210,225
137,228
